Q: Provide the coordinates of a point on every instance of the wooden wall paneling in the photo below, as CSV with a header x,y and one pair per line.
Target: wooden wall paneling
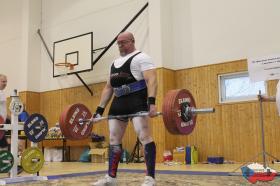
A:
x,y
272,121
32,103
255,132
227,132
164,140
235,124
23,97
233,131
242,129
51,106
189,80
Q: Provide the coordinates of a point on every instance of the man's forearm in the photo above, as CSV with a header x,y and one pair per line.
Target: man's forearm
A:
x,y
268,98
105,97
152,88
151,80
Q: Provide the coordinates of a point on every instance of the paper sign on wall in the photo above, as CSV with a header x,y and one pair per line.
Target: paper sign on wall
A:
x,y
265,68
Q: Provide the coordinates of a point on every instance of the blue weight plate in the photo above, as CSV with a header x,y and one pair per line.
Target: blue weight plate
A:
x,y
36,127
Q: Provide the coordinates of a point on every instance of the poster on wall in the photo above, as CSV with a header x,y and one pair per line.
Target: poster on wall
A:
x,y
264,68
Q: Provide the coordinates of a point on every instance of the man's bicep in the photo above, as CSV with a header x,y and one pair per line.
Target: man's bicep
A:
x,y
149,74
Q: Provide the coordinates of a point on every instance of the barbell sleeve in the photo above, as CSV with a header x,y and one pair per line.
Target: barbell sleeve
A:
x,y
201,110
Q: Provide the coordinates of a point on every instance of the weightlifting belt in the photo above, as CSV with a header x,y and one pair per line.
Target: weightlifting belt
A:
x,y
130,88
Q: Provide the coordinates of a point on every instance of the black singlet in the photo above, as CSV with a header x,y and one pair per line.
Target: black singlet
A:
x,y
131,103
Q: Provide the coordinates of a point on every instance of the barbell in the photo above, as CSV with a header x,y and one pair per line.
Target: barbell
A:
x,y
178,111
186,114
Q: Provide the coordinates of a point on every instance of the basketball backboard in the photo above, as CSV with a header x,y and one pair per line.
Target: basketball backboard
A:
x,y
74,52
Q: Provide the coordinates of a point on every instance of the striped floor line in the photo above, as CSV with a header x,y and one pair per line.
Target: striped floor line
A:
x,y
52,177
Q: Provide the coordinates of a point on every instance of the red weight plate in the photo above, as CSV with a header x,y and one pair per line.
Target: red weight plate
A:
x,y
172,100
167,112
170,116
62,120
172,112
2,132
183,127
69,122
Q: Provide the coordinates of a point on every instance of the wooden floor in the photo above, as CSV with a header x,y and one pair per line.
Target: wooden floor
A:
x,y
57,168
82,174
60,168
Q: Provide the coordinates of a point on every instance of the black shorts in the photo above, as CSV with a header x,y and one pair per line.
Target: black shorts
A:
x,y
129,104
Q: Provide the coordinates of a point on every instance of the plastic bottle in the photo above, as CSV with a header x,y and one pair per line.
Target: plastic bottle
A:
x,y
124,156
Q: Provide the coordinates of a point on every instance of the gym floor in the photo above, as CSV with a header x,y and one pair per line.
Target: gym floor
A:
x,y
60,168
59,173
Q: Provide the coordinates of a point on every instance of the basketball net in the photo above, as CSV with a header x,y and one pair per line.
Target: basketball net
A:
x,y
64,68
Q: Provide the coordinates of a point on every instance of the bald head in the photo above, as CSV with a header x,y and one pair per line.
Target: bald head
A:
x,y
125,41
3,81
2,75
126,35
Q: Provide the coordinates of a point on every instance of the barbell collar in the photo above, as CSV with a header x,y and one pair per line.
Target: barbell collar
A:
x,y
35,160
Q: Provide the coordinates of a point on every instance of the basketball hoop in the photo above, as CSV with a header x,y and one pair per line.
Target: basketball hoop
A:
x,y
64,68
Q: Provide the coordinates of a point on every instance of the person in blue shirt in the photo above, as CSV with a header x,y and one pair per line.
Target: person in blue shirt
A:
x,y
22,117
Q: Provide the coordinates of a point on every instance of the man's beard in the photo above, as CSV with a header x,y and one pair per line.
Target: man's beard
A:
x,y
122,54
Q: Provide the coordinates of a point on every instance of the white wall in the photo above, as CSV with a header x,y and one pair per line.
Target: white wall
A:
x,y
19,44
221,31
155,32
181,37
178,34
31,51
10,42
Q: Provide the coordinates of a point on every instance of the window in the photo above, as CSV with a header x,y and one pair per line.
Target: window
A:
x,y
238,87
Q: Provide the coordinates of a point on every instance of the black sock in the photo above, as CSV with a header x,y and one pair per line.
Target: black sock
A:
x,y
150,158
